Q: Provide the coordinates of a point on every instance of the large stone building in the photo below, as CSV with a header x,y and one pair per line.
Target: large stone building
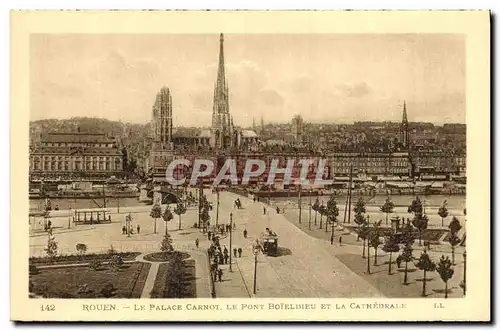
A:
x,y
222,136
66,156
297,129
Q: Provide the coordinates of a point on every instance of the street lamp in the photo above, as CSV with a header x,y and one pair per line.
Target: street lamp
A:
x,y
256,250
300,205
465,269
310,206
217,215
230,242
128,220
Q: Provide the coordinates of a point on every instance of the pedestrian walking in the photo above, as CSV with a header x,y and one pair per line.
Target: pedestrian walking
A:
x,y
245,232
240,251
209,234
264,208
219,273
215,272
340,240
331,240
221,258
225,250
138,229
254,199
197,242
235,251
124,230
226,257
277,210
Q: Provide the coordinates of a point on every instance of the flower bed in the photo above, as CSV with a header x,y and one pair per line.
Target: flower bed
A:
x,y
80,258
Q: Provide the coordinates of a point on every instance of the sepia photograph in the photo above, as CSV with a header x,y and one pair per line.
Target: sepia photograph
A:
x,y
232,165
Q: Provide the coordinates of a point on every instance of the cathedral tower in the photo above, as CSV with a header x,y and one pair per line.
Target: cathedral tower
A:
x,y
222,130
161,123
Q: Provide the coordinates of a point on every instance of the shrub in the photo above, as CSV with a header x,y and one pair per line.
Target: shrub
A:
x,y
81,248
95,265
33,270
166,245
51,248
175,277
116,262
108,290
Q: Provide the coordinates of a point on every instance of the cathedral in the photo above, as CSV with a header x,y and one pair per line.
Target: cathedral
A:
x,y
221,136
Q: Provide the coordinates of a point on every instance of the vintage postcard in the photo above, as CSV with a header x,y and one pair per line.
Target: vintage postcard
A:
x,y
250,166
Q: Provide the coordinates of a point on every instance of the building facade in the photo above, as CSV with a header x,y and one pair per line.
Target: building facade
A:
x,y
75,155
370,164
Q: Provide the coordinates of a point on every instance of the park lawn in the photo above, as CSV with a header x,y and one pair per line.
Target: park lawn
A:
x,y
65,282
189,281
392,285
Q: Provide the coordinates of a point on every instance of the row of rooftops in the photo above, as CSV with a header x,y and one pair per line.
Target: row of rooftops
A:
x,y
77,137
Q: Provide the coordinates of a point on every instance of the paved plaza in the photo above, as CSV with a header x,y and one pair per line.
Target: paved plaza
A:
x,y
305,266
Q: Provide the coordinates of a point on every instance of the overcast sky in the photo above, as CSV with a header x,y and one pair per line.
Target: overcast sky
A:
x,y
324,78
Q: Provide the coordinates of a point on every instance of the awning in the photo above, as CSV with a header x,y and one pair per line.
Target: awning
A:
x,y
397,185
421,184
437,185
92,210
392,178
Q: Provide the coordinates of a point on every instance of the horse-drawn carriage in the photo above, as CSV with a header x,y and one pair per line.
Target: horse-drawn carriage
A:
x,y
268,242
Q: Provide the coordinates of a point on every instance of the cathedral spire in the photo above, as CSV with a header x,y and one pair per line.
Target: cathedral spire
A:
x,y
404,134
405,115
221,73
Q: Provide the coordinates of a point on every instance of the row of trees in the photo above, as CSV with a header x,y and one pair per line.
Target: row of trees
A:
x,y
403,240
167,215
421,219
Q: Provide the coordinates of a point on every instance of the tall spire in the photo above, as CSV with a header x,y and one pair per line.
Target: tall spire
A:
x,y
404,134
405,115
221,73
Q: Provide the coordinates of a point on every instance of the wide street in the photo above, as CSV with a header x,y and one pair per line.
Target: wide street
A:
x,y
306,266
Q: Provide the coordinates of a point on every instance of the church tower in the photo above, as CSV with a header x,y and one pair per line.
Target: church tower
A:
x,y
162,117
222,131
404,136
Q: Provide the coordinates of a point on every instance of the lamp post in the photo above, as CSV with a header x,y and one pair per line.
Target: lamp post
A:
x,y
368,244
217,215
465,268
310,206
255,253
128,220
300,205
230,242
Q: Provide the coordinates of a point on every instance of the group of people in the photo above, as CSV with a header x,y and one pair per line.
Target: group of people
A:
x,y
124,229
220,229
